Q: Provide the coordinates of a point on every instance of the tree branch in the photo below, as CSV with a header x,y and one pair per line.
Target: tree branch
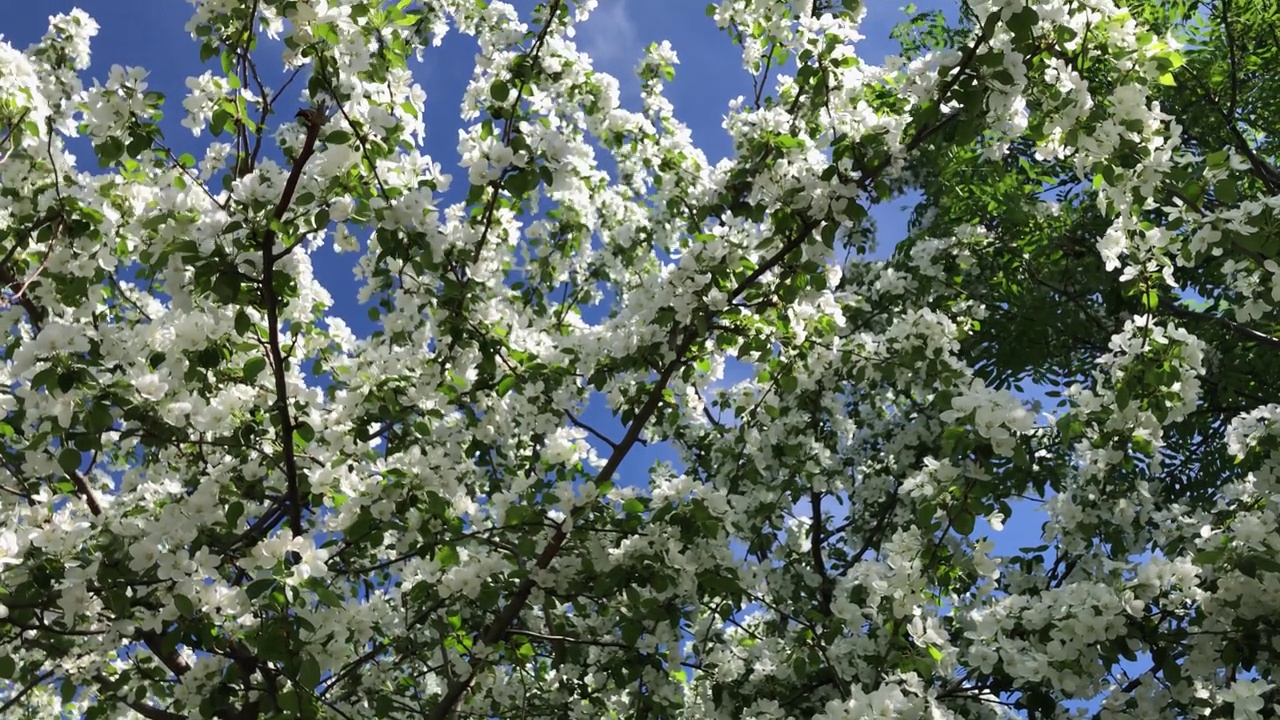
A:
x,y
171,660
815,549
1241,331
12,702
151,712
315,119
82,486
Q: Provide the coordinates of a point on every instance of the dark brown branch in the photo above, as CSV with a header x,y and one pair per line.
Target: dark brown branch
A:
x,y
42,627
263,525
315,119
599,435
1262,170
12,129
53,214
90,499
378,648
151,712
1232,58
869,540
12,702
568,640
760,82
1241,331
171,660
356,132
706,411
815,550
249,70
35,313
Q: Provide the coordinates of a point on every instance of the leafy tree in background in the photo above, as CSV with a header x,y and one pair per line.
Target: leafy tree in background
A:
x,y
261,515
1170,464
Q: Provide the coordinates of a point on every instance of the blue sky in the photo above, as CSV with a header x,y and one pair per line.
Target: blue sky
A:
x,y
150,34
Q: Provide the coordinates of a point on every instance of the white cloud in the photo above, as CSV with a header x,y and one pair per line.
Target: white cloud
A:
x,y
611,38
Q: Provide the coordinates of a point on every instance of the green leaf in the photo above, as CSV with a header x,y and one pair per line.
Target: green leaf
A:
x,y
788,383
258,588
1023,22
235,511
309,673
447,557
8,666
137,144
325,31
499,91
185,607
253,367
305,431
44,377
1209,557
218,121
505,384
632,506
109,151
288,701
226,287
1226,191
326,596
100,418
962,521
69,460
523,182
1126,652
631,632
337,137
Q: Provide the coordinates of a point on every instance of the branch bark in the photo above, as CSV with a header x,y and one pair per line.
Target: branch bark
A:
x,y
1242,331
314,119
12,702
151,712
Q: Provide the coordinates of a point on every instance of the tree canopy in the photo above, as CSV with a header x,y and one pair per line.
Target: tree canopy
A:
x,y
218,501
